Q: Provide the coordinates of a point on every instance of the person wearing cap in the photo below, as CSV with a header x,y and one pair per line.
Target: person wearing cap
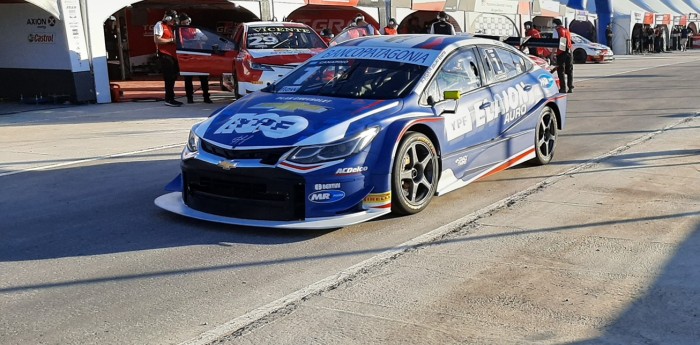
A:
x,y
391,28
327,35
564,60
360,22
166,50
441,26
193,38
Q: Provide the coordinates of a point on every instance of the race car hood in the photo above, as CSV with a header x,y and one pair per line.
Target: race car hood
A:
x,y
277,120
282,56
597,46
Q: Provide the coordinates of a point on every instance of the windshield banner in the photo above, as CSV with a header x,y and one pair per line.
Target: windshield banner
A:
x,y
414,56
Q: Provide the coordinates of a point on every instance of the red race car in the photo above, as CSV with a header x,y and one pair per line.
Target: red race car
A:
x,y
259,53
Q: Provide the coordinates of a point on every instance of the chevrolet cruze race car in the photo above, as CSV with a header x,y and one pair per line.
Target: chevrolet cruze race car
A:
x,y
371,126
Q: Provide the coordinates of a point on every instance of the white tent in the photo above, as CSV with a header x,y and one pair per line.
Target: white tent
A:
x,y
50,6
680,6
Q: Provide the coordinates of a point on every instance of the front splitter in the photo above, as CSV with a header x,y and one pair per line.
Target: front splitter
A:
x,y
173,202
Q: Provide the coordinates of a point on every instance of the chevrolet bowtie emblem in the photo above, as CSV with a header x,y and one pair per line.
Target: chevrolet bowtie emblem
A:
x,y
227,165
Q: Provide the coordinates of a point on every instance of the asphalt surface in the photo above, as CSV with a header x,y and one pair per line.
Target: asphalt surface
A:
x,y
598,247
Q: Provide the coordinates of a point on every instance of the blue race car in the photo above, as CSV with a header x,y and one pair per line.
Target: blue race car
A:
x,y
368,127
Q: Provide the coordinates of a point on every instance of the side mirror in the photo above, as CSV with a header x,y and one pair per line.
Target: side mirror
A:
x,y
454,95
448,105
215,49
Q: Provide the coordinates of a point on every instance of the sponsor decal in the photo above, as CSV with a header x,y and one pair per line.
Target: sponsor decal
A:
x,y
240,139
326,196
227,165
291,107
325,186
461,161
546,81
270,124
304,99
409,55
290,89
42,22
351,170
337,24
278,29
510,104
41,38
378,198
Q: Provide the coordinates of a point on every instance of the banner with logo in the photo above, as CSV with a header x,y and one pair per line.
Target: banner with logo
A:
x,y
77,46
32,39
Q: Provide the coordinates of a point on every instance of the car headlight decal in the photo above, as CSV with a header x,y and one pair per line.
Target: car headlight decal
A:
x,y
334,151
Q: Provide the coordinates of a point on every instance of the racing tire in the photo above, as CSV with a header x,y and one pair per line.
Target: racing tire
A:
x,y
580,56
414,174
545,137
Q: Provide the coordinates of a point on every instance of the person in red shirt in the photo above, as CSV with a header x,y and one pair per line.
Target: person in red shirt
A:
x,y
166,50
531,31
327,35
564,60
195,39
390,29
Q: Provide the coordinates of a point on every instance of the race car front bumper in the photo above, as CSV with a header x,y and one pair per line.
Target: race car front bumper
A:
x,y
174,202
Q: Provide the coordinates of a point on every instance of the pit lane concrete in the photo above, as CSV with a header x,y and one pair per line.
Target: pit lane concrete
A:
x,y
586,256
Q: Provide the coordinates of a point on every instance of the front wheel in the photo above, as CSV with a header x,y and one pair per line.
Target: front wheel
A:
x,y
545,137
414,174
580,56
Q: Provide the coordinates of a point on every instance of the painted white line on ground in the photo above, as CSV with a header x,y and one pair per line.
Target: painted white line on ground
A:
x,y
633,70
283,306
86,160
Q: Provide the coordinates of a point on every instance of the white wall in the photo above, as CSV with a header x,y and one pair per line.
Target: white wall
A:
x,y
32,38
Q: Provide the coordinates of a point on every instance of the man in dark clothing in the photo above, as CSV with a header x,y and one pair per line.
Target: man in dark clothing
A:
x,y
442,27
564,60
609,35
684,38
166,48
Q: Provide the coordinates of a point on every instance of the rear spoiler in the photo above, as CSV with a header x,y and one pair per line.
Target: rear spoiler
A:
x,y
528,41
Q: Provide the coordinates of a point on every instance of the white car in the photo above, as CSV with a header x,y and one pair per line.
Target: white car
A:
x,y
585,50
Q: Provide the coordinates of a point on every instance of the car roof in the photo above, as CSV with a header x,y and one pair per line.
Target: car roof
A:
x,y
418,41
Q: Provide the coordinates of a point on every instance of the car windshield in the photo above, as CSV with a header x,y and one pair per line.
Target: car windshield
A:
x,y
279,37
355,78
579,39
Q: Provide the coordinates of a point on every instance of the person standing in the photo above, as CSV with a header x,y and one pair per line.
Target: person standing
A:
x,y
565,67
361,23
684,38
414,26
609,35
390,29
327,35
193,38
532,32
166,50
442,27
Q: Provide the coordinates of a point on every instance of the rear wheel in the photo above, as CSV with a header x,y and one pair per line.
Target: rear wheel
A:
x,y
414,174
545,137
580,56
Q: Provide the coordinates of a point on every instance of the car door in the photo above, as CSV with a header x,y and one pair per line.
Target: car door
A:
x,y
458,93
202,52
515,93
